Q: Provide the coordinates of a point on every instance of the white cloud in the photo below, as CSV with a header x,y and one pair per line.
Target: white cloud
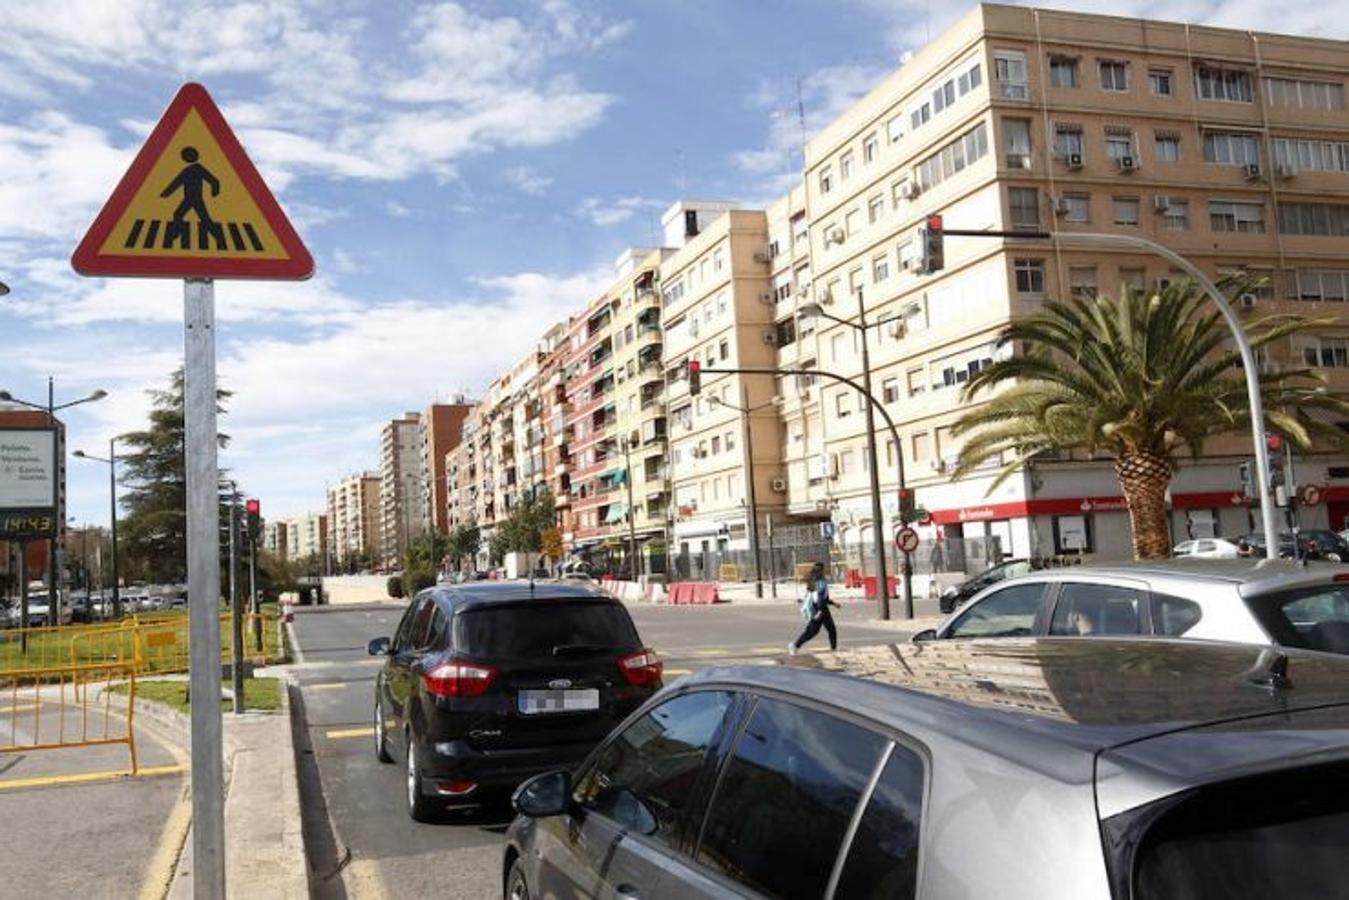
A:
x,y
613,212
527,180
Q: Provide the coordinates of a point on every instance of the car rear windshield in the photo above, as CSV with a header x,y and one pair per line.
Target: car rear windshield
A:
x,y
1281,835
544,629
1316,618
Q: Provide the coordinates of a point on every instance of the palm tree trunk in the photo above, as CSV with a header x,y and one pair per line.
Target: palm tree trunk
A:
x,y
1144,478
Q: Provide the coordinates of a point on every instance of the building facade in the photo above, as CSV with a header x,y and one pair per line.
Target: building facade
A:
x,y
441,426
402,488
354,520
307,540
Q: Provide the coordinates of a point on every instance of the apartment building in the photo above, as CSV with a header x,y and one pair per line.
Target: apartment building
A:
x,y
274,539
591,423
402,488
354,519
441,425
719,309
1229,147
307,540
555,477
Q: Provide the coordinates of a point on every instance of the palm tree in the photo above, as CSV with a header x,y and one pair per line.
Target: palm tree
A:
x,y
1139,380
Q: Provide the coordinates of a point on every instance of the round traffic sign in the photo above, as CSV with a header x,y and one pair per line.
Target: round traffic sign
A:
x,y
906,539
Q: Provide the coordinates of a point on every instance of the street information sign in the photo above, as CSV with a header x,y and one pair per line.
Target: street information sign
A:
x,y
906,539
193,206
28,483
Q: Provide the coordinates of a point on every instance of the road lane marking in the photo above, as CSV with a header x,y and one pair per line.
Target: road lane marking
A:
x,y
158,876
329,686
368,731
362,876
85,777
709,652
678,671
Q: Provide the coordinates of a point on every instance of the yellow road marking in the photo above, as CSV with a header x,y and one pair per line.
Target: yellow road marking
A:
x,y
332,686
362,877
782,649
717,651
677,671
11,710
368,731
84,777
158,876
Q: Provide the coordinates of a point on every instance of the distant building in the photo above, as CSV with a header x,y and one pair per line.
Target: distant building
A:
x,y
354,517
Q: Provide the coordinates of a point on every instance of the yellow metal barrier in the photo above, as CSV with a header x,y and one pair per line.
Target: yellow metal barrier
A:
x,y
52,708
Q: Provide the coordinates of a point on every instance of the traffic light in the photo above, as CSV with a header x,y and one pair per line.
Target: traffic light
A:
x,y
695,377
254,510
1276,462
907,507
930,238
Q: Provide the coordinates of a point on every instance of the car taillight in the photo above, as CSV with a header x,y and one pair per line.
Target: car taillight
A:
x,y
642,667
458,680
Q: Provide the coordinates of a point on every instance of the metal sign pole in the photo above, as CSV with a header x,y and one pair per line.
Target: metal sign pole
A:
x,y
203,588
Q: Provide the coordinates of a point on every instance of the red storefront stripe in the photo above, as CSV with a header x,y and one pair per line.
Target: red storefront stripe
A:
x,y
1066,506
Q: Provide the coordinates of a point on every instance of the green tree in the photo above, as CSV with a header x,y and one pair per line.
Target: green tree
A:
x,y
522,532
1139,380
153,534
425,555
465,542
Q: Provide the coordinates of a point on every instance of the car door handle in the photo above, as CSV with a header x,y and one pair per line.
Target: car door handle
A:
x,y
627,892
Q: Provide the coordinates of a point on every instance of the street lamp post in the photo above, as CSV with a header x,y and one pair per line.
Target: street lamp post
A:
x,y
861,326
51,409
112,495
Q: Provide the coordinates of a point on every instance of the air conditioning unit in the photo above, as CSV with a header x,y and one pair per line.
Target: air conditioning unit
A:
x,y
909,190
767,297
1061,206
938,464
1252,171
1247,301
836,236
763,254
897,329
770,338
779,485
1127,163
1074,160
1161,203
1285,170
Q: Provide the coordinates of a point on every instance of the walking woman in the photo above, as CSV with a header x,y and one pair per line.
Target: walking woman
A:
x,y
817,604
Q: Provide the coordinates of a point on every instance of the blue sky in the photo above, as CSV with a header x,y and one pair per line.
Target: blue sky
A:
x,y
464,174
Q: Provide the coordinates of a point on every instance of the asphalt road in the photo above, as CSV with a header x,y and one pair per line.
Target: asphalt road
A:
x,y
392,856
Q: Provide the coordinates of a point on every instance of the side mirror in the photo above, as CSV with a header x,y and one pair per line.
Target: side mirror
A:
x,y
922,637
378,647
543,795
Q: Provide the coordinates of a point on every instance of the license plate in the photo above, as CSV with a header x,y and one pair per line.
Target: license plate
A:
x,y
551,701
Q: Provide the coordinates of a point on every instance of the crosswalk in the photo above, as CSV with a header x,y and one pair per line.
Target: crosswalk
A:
x,y
169,234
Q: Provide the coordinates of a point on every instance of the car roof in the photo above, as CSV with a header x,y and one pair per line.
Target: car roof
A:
x,y
1250,576
475,594
1044,703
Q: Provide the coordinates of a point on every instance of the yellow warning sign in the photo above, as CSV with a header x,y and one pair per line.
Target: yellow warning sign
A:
x,y
193,205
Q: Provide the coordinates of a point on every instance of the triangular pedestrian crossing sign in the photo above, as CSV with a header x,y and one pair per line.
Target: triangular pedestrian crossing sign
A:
x,y
192,206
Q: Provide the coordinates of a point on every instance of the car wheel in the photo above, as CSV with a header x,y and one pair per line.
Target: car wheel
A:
x,y
419,805
381,736
516,888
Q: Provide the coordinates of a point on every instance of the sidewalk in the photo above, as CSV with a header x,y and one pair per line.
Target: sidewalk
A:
x,y
264,847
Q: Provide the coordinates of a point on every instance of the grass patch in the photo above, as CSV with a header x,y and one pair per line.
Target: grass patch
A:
x,y
260,694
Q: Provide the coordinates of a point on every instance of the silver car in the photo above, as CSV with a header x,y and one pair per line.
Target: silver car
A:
x,y
1253,601
1035,769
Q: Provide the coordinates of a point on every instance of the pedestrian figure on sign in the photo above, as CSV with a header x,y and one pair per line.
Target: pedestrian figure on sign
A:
x,y
815,610
191,179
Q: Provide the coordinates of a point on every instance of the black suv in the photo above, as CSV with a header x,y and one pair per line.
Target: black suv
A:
x,y
486,684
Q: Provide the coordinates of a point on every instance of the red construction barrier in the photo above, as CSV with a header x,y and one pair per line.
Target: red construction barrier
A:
x,y
869,586
679,593
704,593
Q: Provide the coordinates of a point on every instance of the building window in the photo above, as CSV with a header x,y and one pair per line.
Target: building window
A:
x,y
894,129
1068,140
786,332
954,157
1082,282
1016,135
838,347
716,445
920,115
958,368
1063,71
1114,75
1118,145
1166,147
1077,208
826,180
1322,285
724,349
1326,352
875,206
730,441
1134,278
854,281
1009,70
1231,148
841,404
1160,82
1025,204
1233,215
1125,210
916,379
1177,215
890,390
1230,85
880,268
943,95
897,192
851,221
1296,94
1323,219
1313,156
870,147
1030,277
845,166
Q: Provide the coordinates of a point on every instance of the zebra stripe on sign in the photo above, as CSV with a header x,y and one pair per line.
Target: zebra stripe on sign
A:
x,y
167,234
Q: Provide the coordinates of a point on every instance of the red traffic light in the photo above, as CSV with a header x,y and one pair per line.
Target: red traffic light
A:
x,y
934,223
694,367
253,507
1273,441
695,377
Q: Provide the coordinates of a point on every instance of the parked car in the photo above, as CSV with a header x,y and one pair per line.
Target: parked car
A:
x,y
40,614
1207,548
1144,769
957,594
1314,543
487,683
1255,601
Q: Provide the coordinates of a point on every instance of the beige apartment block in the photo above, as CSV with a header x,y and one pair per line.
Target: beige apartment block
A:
x,y
354,518
402,488
1229,147
719,310
307,540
